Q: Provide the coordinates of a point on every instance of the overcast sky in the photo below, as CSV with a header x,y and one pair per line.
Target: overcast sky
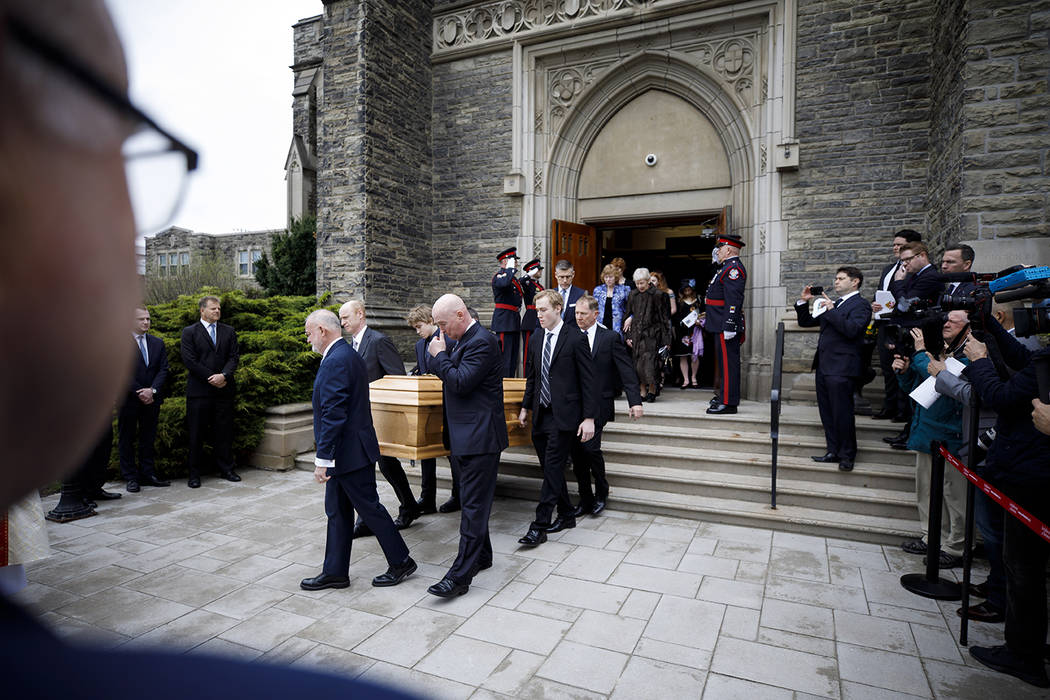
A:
x,y
215,73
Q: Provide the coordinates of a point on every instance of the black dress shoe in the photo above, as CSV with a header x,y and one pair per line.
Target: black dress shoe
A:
x,y
916,546
133,486
582,509
561,523
395,574
447,588
721,409
403,519
899,445
426,507
449,506
901,436
1003,660
846,465
599,506
900,419
102,495
323,581
979,590
827,457
153,481
533,537
88,503
231,476
194,482
983,612
884,414
362,530
650,398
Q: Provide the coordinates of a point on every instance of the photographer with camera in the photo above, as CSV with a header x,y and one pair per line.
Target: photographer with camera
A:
x,y
1017,465
941,421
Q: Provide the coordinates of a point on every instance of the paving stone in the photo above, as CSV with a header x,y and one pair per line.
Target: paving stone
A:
x,y
856,691
345,628
606,631
463,659
410,637
823,594
291,649
253,568
542,689
693,623
194,588
513,672
743,550
843,575
801,543
625,527
726,688
512,595
308,606
859,558
203,563
883,669
621,543
536,572
676,583
707,565
79,632
736,533
702,545
640,604
464,605
935,643
186,632
124,611
739,593
741,623
875,632
43,598
772,665
586,537
980,683
885,587
422,684
589,564
548,551
164,555
799,618
227,649
799,564
267,629
514,629
554,611
247,601
753,571
671,653
922,617
682,532
504,570
581,594
798,642
89,542
584,666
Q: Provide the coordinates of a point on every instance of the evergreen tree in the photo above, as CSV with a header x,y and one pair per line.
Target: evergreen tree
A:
x,y
293,269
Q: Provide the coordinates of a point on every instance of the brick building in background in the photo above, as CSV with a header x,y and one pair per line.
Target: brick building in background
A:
x,y
429,135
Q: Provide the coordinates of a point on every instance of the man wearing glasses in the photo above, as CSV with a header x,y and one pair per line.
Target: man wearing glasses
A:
x,y
917,277
69,232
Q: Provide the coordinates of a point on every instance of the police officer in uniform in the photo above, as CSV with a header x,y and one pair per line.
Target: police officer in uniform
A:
x,y
725,319
506,321
530,284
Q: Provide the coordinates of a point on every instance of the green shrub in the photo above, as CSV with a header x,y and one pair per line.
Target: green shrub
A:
x,y
276,367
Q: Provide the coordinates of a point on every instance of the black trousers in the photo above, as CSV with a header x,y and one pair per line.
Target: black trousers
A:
x,y
91,476
552,449
508,347
344,494
210,417
428,479
477,474
727,381
588,461
896,401
1024,557
137,422
835,403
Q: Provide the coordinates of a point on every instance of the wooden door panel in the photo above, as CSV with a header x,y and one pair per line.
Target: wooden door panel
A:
x,y
577,243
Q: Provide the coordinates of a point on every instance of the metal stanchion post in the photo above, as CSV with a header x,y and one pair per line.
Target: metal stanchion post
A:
x,y
930,585
971,464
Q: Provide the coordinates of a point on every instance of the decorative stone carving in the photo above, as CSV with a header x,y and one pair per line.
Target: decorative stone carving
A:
x,y
502,20
762,158
537,181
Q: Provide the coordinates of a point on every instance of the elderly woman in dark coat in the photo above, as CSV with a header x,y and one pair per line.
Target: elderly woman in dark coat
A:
x,y
647,328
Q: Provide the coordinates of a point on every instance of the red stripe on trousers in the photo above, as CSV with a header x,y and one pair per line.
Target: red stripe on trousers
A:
x,y
725,368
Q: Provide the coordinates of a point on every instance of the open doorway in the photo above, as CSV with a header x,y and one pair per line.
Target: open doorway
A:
x,y
680,248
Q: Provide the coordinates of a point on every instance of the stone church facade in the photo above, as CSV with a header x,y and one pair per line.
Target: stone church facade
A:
x,y
431,134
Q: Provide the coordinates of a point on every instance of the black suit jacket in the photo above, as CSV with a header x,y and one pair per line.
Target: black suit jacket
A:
x,y
423,358
202,359
568,312
882,276
574,394
379,354
925,284
613,370
841,332
155,374
472,377
343,428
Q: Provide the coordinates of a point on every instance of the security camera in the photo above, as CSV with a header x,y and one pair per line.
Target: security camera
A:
x,y
650,160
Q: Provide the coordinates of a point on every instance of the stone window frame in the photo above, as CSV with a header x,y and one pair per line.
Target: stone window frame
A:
x,y
253,256
171,262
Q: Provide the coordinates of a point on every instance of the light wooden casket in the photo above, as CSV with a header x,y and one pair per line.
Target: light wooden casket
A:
x,y
406,412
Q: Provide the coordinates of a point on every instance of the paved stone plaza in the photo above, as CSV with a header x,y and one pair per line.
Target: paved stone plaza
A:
x,y
623,606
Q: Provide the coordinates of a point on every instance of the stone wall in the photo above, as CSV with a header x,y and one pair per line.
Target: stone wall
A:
x,y
862,117
473,219
223,246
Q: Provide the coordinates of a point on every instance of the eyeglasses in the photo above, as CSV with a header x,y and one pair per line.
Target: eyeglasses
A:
x,y
905,260
156,163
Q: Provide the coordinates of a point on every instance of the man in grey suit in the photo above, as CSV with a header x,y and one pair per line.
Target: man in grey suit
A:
x,y
381,358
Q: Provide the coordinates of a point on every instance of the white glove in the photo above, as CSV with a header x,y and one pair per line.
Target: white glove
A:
x,y
728,335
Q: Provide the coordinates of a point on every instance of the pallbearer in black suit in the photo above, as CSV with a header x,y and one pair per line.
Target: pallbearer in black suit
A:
x,y
475,431
838,362
422,321
725,319
564,274
347,450
211,354
141,408
507,294
613,371
560,389
530,285
380,358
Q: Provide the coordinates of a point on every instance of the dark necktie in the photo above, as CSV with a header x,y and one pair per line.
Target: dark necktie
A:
x,y
837,302
211,332
545,372
142,349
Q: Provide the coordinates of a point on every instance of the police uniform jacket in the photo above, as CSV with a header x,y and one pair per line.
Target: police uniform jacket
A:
x,y
529,287
725,298
507,294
